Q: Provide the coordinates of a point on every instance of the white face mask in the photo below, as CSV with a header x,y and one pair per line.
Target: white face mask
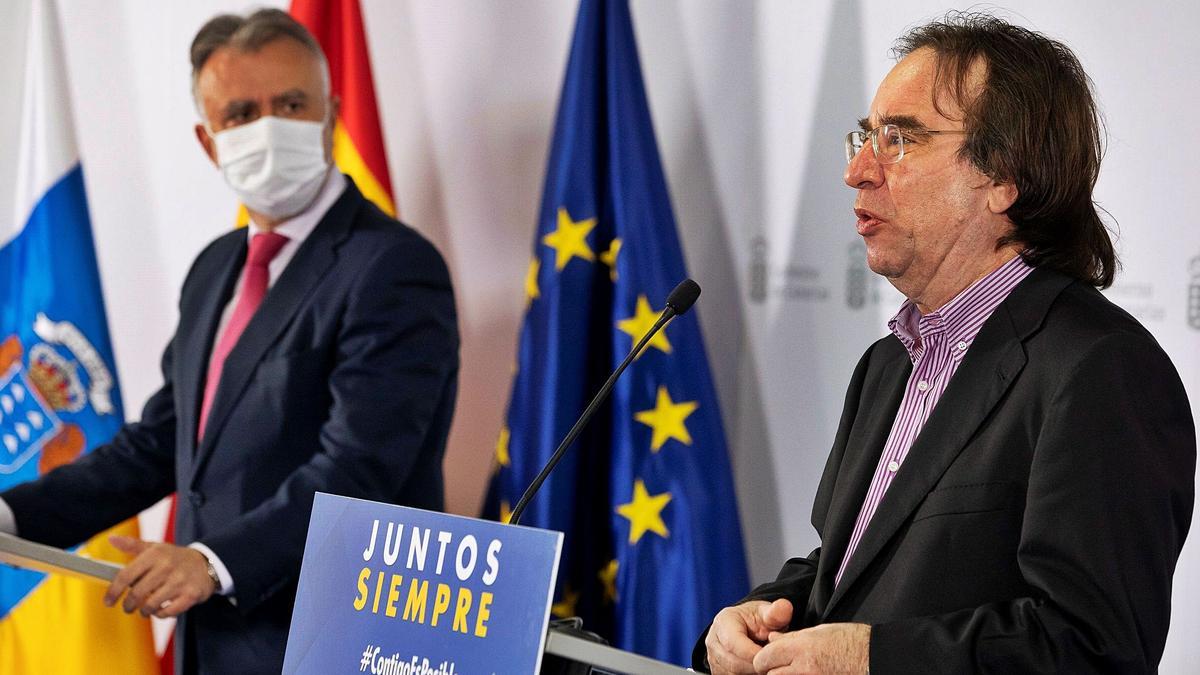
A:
x,y
275,165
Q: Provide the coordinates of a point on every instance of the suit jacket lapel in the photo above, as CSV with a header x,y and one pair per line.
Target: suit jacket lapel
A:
x,y
863,449
309,265
995,359
196,335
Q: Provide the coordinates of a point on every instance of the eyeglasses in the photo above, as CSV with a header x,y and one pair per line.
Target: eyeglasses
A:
x,y
888,141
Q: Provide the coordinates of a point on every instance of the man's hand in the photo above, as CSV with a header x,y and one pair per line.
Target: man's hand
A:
x,y
738,633
162,580
832,648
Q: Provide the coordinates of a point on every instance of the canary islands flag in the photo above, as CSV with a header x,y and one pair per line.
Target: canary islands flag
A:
x,y
653,547
58,391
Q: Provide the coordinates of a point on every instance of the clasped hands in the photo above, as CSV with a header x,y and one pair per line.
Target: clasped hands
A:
x,y
162,580
751,638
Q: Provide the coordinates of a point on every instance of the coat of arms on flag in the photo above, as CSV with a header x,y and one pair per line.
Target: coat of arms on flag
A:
x,y
38,387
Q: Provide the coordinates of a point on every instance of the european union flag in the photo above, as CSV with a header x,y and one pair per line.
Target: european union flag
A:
x,y
653,548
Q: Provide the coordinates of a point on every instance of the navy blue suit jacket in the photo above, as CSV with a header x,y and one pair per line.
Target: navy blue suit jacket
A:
x,y
344,382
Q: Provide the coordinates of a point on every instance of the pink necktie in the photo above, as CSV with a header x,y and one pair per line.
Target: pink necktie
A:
x,y
263,248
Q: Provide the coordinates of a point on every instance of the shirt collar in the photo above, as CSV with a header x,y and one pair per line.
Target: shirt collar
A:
x,y
298,227
960,319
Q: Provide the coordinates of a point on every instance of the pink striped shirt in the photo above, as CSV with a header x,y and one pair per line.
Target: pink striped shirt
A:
x,y
937,343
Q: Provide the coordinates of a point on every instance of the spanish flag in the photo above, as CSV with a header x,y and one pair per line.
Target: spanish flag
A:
x,y
358,146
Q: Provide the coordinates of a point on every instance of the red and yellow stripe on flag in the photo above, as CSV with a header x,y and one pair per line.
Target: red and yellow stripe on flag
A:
x,y
36,637
358,146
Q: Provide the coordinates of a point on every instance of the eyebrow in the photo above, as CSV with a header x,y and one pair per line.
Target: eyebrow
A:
x,y
289,96
908,122
241,106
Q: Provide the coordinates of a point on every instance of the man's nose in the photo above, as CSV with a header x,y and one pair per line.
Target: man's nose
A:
x,y
864,170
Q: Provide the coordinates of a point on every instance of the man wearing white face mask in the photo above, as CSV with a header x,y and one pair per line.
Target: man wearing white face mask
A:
x,y
275,165
316,350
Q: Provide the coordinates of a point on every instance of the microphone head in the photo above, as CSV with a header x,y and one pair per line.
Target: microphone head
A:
x,y
684,295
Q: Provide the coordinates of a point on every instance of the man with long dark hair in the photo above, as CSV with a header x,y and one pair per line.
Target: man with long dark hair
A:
x,y
1011,481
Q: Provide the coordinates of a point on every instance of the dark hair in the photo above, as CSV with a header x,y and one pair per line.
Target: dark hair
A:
x,y
249,34
1033,123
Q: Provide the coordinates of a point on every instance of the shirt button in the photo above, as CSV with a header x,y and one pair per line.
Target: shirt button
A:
x,y
922,385
962,346
893,466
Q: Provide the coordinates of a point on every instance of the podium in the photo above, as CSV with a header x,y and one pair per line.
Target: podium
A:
x,y
389,589
26,554
602,658
574,654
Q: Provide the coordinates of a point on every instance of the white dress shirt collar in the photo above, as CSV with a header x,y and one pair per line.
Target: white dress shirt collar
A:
x,y
298,227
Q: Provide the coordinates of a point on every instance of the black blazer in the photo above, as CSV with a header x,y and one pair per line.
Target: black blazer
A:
x,y
344,382
1035,524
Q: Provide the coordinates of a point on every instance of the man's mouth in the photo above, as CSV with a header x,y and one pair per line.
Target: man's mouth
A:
x,y
868,221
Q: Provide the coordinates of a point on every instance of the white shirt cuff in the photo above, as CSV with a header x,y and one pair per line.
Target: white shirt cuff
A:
x,y
222,572
8,521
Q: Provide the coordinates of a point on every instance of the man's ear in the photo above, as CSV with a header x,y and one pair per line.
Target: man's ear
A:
x,y
206,142
335,107
1001,196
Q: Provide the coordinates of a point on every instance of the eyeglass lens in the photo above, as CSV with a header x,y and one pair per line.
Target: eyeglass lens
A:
x,y
887,142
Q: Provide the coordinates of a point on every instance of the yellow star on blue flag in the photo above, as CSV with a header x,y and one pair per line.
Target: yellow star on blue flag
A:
x,y
640,323
644,512
667,419
569,239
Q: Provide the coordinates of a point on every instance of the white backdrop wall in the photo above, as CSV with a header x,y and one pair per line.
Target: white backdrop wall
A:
x,y
750,100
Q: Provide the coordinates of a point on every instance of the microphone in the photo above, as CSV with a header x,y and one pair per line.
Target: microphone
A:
x,y
683,297
678,303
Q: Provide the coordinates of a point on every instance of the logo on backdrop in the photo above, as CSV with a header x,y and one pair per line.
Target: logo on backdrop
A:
x,y
758,270
61,374
1193,294
794,282
1139,299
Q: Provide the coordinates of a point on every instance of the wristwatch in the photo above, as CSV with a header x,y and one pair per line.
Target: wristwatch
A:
x,y
212,574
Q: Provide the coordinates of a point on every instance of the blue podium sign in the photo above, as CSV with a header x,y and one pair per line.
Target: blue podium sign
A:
x,y
391,590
